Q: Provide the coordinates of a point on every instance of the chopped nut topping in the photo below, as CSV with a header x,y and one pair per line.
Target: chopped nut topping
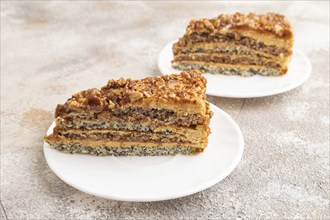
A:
x,y
270,22
187,87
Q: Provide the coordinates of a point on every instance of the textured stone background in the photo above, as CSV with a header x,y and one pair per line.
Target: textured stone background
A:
x,y
50,50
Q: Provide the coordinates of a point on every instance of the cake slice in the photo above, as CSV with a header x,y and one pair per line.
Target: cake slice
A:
x,y
236,44
153,116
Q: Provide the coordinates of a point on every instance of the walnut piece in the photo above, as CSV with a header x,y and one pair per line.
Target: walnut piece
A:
x,y
135,95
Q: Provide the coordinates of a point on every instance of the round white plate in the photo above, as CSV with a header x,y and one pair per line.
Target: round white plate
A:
x,y
246,87
153,178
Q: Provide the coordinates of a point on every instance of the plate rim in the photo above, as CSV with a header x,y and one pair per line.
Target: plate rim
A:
x,y
250,95
234,163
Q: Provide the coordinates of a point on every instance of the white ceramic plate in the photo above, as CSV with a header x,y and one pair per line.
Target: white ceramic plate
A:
x,y
153,178
246,87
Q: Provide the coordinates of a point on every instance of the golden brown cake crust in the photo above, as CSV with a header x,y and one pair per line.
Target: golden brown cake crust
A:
x,y
271,23
185,88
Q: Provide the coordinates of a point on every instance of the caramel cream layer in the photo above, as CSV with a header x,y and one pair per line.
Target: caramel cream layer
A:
x,y
225,48
115,135
274,47
273,50
230,59
128,126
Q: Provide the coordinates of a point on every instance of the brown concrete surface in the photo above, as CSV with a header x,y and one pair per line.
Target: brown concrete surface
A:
x,y
50,50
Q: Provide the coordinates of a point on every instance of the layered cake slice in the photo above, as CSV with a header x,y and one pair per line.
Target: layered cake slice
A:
x,y
236,44
153,116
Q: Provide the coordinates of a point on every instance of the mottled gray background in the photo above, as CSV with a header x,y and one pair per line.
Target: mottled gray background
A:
x,y
50,50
